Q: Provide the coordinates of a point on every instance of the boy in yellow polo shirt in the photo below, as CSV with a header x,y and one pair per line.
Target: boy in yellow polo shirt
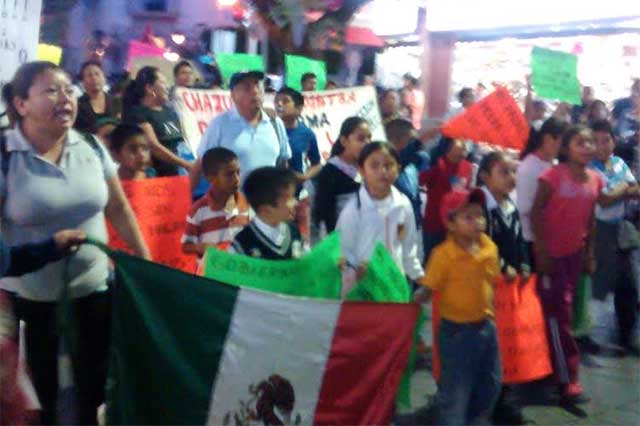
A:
x,y
462,269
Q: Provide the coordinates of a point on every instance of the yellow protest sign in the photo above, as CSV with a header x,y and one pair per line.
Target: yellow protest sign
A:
x,y
49,52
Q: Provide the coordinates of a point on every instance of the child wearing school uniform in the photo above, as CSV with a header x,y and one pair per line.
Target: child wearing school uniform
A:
x,y
378,213
271,192
339,180
497,176
216,217
463,269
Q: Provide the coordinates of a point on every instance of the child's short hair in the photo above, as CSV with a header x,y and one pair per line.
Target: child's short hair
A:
x,y
179,66
264,185
307,76
486,164
398,128
215,158
603,126
295,96
121,134
372,147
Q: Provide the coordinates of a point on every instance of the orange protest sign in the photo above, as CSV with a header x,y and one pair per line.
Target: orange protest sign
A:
x,y
161,206
522,339
522,336
496,119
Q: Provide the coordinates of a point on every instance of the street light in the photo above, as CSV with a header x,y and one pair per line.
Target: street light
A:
x,y
227,3
171,56
178,38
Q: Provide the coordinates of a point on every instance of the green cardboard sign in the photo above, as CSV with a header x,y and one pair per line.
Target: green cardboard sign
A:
x,y
315,275
296,66
231,63
554,75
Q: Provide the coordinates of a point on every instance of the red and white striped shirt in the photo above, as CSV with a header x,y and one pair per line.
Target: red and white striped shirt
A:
x,y
211,223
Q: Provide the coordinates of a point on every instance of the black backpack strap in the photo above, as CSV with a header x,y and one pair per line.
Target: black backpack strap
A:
x,y
281,161
4,154
93,143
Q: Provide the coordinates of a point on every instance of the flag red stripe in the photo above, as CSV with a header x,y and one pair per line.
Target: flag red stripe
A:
x,y
367,358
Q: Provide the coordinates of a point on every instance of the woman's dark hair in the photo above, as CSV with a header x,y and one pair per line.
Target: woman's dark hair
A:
x,y
7,99
24,78
135,90
552,126
348,126
88,64
487,163
567,137
441,149
373,147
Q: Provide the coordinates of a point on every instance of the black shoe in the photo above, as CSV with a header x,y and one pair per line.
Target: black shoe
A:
x,y
512,417
426,415
574,399
588,345
631,350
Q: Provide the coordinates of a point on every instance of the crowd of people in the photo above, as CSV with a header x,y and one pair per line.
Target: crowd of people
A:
x,y
453,214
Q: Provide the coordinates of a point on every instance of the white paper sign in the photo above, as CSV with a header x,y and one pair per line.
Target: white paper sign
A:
x,y
323,112
19,33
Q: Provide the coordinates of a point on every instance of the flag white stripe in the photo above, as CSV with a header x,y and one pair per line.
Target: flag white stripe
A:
x,y
268,336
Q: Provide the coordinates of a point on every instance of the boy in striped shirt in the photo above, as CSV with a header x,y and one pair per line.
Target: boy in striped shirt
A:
x,y
222,212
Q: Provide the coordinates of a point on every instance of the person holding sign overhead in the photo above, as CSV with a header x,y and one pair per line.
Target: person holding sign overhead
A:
x,y
256,136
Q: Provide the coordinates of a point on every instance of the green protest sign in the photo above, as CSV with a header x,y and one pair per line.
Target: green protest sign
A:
x,y
383,280
315,275
230,63
296,66
554,75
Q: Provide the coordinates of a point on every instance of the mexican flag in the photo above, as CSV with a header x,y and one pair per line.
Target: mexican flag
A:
x,y
190,350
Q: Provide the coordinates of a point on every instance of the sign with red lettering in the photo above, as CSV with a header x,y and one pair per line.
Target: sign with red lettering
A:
x,y
323,112
522,339
161,206
496,119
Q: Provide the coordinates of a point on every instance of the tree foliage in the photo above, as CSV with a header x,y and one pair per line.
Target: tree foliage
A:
x,y
288,28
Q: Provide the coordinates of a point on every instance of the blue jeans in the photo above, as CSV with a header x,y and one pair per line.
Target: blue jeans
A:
x,y
470,380
429,242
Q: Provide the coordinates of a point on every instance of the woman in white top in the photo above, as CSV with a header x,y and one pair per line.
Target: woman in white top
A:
x,y
379,213
54,178
539,154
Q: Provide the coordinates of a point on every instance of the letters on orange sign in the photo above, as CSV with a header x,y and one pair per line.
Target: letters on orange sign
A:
x,y
496,119
524,351
161,206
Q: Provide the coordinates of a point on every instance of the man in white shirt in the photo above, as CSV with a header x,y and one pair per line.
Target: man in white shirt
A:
x,y
257,138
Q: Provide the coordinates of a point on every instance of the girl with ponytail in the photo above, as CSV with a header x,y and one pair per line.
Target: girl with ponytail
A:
x,y
145,105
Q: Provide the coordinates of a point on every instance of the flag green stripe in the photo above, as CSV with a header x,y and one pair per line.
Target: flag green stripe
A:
x,y
168,335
